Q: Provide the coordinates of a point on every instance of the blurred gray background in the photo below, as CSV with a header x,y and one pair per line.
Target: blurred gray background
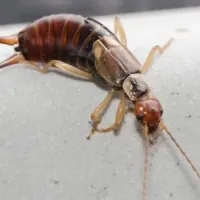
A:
x,y
14,11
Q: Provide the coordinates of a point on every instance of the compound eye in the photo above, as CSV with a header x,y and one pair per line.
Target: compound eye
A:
x,y
140,117
161,112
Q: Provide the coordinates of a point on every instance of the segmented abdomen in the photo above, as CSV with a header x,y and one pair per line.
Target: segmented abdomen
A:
x,y
65,37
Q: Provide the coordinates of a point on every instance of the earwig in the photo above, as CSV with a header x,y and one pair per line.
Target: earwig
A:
x,y
85,47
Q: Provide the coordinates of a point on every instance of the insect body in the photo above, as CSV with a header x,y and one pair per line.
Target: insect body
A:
x,y
85,47
63,37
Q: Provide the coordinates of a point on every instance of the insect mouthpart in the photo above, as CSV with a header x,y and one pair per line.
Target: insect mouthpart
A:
x,y
140,117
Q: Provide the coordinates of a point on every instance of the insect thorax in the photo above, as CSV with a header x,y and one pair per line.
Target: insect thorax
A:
x,y
135,86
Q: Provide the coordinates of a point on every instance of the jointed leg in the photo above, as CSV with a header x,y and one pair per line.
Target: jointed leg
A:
x,y
152,53
96,114
119,28
68,68
60,65
121,111
18,58
33,64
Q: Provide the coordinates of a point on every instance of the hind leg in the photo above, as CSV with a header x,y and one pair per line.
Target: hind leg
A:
x,y
18,58
119,28
61,65
68,68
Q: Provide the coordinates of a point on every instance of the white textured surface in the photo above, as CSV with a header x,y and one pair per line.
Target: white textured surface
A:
x,y
44,121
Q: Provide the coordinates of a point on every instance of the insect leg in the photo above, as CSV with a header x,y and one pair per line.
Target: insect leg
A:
x,y
121,111
96,114
60,65
152,53
18,58
68,68
119,28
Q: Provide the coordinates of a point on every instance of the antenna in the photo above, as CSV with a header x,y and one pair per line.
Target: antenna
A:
x,y
180,148
146,162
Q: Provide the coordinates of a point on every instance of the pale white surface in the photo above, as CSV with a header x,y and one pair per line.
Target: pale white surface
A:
x,y
44,121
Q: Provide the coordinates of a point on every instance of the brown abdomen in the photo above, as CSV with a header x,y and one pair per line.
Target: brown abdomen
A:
x,y
64,37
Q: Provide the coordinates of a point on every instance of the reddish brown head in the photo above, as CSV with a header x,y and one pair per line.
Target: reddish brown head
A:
x,y
149,112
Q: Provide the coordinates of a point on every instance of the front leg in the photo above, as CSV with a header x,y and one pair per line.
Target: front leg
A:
x,y
121,111
96,114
